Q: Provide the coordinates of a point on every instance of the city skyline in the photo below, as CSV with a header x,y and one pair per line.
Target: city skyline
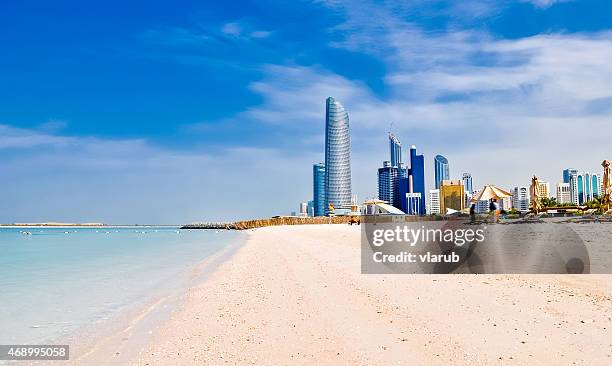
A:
x,y
395,181
160,118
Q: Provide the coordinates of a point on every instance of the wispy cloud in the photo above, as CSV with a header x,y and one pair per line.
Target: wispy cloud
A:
x,y
20,138
197,36
232,29
544,3
241,30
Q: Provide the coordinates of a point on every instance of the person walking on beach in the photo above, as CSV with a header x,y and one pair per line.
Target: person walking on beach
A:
x,y
473,213
494,208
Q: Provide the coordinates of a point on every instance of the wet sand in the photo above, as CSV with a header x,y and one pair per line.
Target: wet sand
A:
x,y
295,295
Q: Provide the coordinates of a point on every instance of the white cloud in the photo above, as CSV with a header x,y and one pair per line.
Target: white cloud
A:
x,y
18,138
260,34
201,36
232,29
243,31
544,3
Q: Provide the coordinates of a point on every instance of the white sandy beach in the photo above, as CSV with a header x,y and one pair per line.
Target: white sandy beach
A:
x,y
295,295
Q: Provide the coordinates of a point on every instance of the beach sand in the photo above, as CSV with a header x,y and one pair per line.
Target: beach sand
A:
x,y
295,295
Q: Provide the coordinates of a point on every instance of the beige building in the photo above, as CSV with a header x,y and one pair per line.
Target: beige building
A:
x,y
564,194
452,195
544,189
303,209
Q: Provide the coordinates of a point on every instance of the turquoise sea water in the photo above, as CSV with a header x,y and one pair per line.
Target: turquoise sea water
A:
x,y
57,281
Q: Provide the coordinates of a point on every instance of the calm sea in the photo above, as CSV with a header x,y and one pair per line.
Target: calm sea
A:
x,y
56,281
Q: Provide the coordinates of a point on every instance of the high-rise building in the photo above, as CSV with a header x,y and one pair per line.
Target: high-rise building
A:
x,y
467,183
584,186
395,147
564,193
434,201
414,182
337,156
388,183
467,186
570,176
581,188
391,173
310,208
441,170
520,198
584,183
318,194
596,185
544,189
303,209
588,189
567,173
452,195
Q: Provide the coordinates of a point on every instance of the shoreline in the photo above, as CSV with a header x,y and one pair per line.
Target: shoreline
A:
x,y
295,294
82,226
120,338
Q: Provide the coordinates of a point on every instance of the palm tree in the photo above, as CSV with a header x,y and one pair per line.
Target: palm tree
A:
x,y
594,203
549,202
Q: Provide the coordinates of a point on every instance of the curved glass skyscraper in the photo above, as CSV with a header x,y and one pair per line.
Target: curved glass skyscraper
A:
x,y
396,150
337,156
441,170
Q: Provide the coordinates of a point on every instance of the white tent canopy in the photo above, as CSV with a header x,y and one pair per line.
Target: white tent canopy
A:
x,y
490,192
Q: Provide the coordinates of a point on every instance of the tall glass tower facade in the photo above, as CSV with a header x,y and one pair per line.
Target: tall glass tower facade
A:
x,y
441,170
468,187
337,155
391,173
388,183
596,185
318,184
570,176
412,188
396,150
467,183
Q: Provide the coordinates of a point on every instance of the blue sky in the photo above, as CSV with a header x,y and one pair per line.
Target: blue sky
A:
x,y
183,111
